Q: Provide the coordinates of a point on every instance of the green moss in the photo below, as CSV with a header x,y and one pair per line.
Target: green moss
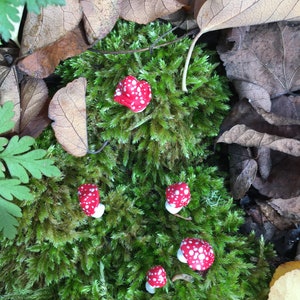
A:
x,y
62,254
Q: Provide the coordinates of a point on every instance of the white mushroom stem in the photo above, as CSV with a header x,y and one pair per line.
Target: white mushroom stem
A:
x,y
99,211
181,257
150,288
172,209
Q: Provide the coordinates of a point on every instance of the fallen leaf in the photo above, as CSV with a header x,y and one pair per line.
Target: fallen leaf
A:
x,y
264,161
220,14
9,91
273,217
145,11
242,169
264,61
43,62
287,208
99,17
283,180
34,113
68,111
244,136
50,25
184,277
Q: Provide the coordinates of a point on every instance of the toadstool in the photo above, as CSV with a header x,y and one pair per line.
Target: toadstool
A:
x,y
90,201
198,254
177,196
156,278
132,93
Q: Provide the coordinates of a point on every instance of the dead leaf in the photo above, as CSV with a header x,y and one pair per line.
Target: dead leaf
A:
x,y
284,179
184,277
244,136
264,62
99,17
220,14
264,161
287,208
34,113
43,62
9,91
242,169
68,111
145,11
273,217
49,26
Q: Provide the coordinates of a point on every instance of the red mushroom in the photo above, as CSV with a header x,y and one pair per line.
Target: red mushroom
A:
x,y
198,254
178,195
156,278
134,94
89,200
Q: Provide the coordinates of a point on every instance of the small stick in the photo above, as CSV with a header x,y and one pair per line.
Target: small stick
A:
x,y
184,218
99,150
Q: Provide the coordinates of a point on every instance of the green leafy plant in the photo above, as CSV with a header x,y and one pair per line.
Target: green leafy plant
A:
x,y
17,159
9,13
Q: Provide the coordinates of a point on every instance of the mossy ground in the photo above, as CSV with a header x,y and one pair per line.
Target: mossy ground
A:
x,y
62,254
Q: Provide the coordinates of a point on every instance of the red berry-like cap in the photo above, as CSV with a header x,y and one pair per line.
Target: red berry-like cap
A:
x,y
178,194
89,198
133,93
198,253
157,277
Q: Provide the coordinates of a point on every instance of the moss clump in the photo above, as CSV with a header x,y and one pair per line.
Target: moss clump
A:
x,y
62,254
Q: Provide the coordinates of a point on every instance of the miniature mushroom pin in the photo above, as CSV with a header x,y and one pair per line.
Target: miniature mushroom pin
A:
x,y
198,254
132,93
156,278
89,200
177,196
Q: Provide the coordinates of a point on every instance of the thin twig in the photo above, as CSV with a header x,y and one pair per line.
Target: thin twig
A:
x,y
184,218
99,150
142,49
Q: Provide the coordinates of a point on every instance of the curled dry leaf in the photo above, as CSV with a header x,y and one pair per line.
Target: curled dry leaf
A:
x,y
43,62
242,169
184,277
99,17
145,11
264,62
264,161
34,113
287,208
68,111
49,26
243,135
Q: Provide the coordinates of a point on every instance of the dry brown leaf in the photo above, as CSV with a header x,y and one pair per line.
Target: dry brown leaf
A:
x,y
43,62
287,208
68,111
49,26
9,91
244,136
264,62
264,162
220,14
145,11
273,217
284,179
99,17
34,113
242,169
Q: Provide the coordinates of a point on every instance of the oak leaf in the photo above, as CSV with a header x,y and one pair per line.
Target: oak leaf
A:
x,y
68,111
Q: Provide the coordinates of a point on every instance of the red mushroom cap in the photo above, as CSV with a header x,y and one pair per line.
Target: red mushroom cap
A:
x,y
89,199
157,277
133,93
198,253
178,194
